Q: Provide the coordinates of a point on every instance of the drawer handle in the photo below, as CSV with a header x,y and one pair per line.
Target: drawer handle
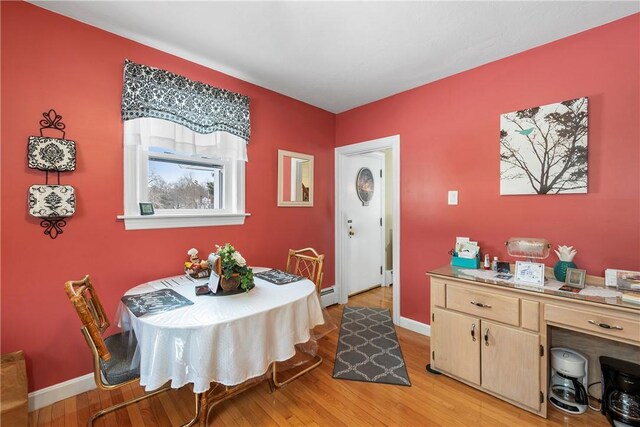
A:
x,y
605,326
473,331
479,304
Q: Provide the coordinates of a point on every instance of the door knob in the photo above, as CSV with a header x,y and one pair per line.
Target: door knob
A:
x,y
351,232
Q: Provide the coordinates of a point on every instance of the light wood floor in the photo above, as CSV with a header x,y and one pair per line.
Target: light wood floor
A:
x,y
316,399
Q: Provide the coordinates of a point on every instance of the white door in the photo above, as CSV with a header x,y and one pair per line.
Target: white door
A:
x,y
363,218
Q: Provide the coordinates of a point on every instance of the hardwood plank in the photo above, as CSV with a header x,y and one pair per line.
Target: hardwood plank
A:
x,y
82,409
133,411
44,416
106,400
33,418
70,411
57,414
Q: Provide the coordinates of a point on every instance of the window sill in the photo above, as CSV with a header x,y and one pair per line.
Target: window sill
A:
x,y
149,222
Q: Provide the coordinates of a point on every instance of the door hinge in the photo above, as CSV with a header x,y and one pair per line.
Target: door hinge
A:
x,y
433,317
380,221
541,351
380,173
541,397
433,355
380,269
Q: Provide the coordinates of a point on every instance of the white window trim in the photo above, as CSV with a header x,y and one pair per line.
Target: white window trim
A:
x,y
135,179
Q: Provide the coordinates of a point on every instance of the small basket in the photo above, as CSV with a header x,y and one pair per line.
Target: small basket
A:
x,y
197,273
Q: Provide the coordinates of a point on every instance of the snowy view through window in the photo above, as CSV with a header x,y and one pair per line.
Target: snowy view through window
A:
x,y
182,184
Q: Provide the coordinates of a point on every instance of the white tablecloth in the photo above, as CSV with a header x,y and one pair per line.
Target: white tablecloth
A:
x,y
223,339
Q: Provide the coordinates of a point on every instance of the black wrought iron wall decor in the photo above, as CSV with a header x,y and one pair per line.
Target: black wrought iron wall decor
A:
x,y
52,203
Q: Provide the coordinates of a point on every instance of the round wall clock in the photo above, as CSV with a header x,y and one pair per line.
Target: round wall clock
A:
x,y
364,185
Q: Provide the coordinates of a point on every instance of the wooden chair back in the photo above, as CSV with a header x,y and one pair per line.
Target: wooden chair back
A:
x,y
84,298
306,263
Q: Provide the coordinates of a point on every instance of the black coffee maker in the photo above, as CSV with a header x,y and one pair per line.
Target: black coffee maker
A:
x,y
620,392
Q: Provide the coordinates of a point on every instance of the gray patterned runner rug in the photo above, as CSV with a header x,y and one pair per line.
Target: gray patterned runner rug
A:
x,y
368,348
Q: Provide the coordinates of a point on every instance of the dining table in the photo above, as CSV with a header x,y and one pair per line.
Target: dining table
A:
x,y
220,343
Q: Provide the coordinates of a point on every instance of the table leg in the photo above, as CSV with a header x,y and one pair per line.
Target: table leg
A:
x,y
204,409
317,361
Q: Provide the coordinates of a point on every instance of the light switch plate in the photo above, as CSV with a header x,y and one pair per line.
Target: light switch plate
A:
x,y
452,198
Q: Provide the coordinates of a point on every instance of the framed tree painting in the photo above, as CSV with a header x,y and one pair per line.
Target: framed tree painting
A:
x,y
543,150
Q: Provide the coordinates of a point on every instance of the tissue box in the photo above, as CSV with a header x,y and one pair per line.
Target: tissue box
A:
x,y
456,261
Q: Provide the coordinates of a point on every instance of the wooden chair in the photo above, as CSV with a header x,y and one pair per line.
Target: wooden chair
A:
x,y
112,356
306,263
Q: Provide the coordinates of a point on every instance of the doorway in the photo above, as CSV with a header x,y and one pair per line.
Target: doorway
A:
x,y
360,244
363,211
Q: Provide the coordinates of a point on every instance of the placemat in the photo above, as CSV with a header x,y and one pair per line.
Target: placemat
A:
x,y
155,302
278,277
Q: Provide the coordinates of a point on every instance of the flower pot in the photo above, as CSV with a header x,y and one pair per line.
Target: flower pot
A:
x,y
560,270
231,283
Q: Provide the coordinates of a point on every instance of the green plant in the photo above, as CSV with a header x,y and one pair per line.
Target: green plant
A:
x,y
232,262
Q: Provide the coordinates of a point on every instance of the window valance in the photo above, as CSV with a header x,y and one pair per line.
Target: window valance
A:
x,y
152,92
150,132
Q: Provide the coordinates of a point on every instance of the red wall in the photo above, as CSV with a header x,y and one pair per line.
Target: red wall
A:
x,y
449,140
49,61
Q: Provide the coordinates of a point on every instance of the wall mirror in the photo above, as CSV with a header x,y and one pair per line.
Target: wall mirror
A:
x,y
295,179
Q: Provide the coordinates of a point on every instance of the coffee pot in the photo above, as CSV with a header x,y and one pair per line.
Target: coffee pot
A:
x,y
567,388
621,391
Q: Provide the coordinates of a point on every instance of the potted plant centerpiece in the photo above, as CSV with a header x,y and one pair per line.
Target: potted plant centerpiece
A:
x,y
234,272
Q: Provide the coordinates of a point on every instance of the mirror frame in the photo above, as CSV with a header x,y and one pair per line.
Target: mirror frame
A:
x,y
287,203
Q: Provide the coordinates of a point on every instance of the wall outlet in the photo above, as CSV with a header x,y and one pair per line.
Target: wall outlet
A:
x,y
452,199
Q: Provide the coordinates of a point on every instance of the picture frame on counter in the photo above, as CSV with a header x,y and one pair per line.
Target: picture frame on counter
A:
x,y
575,277
529,273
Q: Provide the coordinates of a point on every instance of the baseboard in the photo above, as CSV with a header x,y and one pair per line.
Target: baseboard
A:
x,y
328,296
412,325
50,395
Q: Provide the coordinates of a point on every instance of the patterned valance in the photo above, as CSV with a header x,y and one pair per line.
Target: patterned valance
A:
x,y
152,92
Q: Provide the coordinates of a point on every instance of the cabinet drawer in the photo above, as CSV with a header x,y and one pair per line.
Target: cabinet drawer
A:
x,y
602,323
487,305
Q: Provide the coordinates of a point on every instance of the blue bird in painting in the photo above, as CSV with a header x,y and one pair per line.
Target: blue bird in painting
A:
x,y
525,132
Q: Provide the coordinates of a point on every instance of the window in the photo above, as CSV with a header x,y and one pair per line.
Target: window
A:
x,y
192,179
184,183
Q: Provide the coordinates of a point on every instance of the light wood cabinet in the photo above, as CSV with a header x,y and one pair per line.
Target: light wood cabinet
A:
x,y
603,323
457,340
485,304
511,363
500,359
495,337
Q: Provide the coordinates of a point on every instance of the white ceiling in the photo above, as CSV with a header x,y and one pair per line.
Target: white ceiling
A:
x,y
338,55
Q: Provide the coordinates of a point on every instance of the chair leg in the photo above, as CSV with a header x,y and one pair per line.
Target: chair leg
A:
x,y
195,418
318,361
123,404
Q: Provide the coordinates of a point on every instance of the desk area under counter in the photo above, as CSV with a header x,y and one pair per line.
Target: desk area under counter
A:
x,y
496,336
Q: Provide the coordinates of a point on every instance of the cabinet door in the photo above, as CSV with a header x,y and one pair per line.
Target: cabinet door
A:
x,y
454,349
511,363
